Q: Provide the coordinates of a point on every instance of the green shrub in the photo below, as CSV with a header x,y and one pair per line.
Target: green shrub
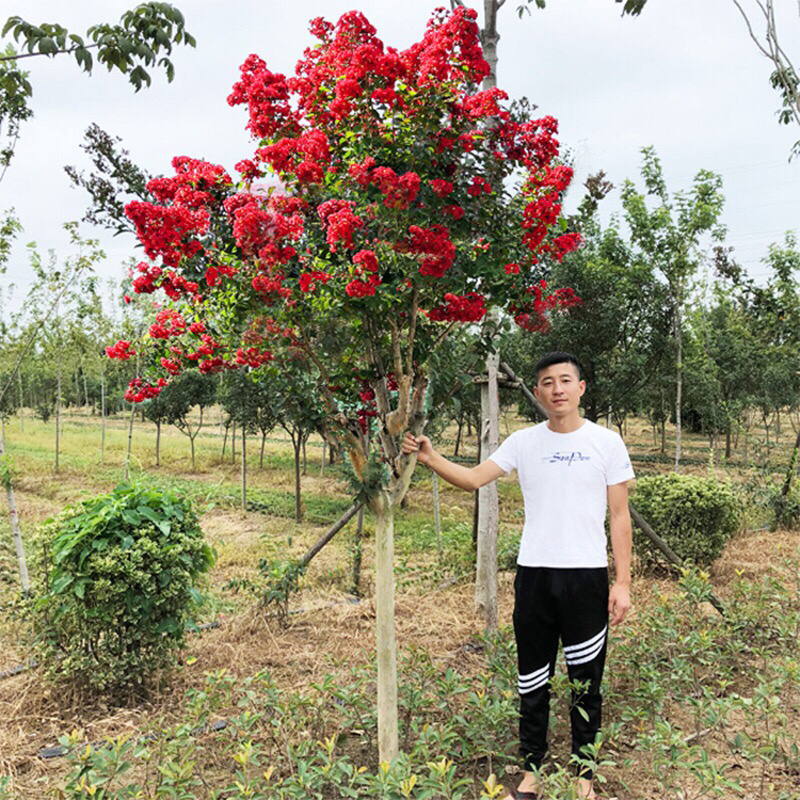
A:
x,y
120,589
785,509
696,516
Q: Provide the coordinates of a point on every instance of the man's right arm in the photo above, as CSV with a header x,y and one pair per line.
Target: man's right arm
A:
x,y
469,478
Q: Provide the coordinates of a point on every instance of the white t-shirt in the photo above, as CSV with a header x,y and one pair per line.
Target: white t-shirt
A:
x,y
564,478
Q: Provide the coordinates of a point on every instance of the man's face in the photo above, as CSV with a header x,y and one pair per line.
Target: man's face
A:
x,y
559,389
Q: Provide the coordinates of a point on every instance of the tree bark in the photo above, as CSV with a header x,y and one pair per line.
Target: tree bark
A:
x,y
58,411
130,443
331,532
244,468
102,416
298,504
437,518
678,381
486,558
388,745
13,516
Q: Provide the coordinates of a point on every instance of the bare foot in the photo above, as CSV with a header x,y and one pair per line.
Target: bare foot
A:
x,y
527,784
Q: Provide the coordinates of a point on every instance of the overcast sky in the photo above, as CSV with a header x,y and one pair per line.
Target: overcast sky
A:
x,y
683,77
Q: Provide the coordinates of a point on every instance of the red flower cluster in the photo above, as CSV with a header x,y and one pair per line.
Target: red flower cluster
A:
x,y
265,231
340,222
309,281
267,97
460,308
168,323
435,244
450,50
168,232
120,350
441,188
139,390
192,183
253,357
361,288
531,314
152,278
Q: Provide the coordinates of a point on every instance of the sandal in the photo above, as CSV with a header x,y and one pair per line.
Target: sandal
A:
x,y
518,795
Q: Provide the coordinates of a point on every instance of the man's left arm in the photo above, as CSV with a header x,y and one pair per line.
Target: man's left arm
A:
x,y
619,598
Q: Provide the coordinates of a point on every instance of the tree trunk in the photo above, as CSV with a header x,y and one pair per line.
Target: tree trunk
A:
x,y
358,552
678,382
102,416
728,443
244,468
5,478
158,443
388,747
486,558
191,442
224,444
58,411
233,442
261,456
130,443
458,435
437,519
21,401
298,505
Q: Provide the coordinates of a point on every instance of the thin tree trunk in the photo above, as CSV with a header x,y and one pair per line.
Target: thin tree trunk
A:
x,y
298,505
130,443
388,746
330,533
486,558
233,442
224,443
678,383
244,468
102,416
437,520
22,563
358,552
58,411
458,435
261,456
158,443
21,401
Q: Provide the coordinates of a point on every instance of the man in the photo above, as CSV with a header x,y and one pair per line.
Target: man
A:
x,y
571,471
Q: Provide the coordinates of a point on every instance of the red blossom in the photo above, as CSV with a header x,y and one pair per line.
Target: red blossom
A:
x,y
120,350
461,308
441,188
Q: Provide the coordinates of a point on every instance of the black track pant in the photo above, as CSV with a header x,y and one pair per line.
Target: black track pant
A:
x,y
570,605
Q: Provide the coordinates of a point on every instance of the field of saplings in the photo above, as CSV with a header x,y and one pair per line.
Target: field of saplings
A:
x,y
208,656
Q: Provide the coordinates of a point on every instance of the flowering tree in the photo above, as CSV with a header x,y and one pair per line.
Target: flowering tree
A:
x,y
399,214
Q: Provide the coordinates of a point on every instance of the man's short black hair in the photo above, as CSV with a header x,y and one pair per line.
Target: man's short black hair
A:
x,y
557,357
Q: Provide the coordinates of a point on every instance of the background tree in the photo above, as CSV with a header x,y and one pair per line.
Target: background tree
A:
x,y
670,236
143,39
762,26
184,393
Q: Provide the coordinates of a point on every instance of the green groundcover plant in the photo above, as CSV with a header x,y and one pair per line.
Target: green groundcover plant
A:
x,y
120,590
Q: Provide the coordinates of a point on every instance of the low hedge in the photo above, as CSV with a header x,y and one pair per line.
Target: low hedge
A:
x,y
696,516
